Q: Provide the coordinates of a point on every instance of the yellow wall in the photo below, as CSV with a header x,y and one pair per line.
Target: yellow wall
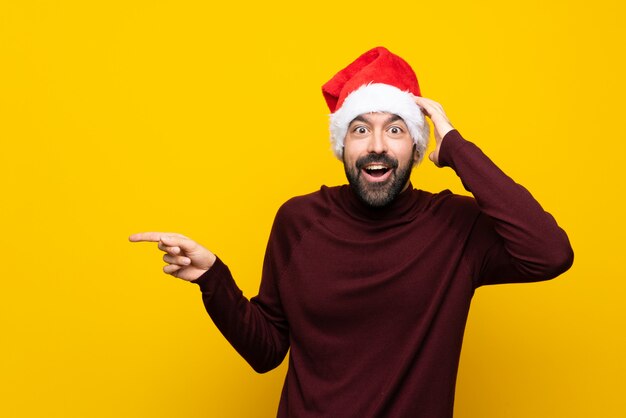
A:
x,y
123,116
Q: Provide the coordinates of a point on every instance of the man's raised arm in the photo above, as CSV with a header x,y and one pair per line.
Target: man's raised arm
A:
x,y
528,244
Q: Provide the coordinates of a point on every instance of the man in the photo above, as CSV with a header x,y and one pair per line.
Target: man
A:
x,y
370,284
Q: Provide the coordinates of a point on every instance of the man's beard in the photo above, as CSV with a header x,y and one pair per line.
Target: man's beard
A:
x,y
378,194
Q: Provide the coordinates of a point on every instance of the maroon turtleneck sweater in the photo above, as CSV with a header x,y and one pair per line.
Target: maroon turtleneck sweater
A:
x,y
373,302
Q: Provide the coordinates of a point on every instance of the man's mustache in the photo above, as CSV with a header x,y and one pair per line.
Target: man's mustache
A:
x,y
377,158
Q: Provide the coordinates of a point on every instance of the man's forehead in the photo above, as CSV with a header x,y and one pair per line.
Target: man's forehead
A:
x,y
370,117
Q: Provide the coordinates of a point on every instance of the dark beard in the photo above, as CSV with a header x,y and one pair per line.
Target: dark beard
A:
x,y
378,195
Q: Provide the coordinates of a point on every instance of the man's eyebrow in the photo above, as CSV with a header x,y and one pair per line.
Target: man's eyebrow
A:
x,y
359,118
393,118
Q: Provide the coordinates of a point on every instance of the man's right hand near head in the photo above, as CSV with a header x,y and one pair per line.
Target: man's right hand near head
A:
x,y
185,258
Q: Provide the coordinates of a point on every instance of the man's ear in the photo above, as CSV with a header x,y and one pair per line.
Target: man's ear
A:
x,y
416,155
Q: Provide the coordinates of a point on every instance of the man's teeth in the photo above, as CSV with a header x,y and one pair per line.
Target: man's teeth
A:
x,y
376,167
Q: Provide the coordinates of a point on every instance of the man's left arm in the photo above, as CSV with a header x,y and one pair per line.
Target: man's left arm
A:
x,y
531,245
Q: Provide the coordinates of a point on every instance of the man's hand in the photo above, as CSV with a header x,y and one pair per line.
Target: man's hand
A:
x,y
185,258
440,121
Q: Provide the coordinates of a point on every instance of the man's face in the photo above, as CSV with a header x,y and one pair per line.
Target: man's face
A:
x,y
378,156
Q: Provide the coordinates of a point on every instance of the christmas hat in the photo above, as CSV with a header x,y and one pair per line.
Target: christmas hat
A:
x,y
377,81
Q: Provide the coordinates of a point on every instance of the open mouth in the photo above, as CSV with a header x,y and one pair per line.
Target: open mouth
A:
x,y
377,172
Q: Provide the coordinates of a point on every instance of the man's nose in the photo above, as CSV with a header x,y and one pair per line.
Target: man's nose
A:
x,y
377,143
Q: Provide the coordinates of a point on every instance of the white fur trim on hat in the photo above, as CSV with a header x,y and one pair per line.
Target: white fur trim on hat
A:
x,y
378,97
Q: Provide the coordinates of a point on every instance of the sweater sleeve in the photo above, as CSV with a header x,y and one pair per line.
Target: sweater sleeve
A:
x,y
513,238
256,328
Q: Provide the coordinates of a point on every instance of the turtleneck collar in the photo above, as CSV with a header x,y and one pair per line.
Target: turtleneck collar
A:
x,y
403,206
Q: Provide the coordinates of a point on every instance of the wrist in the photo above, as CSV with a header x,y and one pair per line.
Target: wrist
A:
x,y
444,128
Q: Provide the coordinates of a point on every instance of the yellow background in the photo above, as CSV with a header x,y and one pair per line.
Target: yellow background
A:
x,y
123,116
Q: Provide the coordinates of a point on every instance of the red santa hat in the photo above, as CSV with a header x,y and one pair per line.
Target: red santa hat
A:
x,y
377,81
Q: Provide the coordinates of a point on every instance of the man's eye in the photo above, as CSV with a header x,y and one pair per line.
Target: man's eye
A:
x,y
360,130
395,130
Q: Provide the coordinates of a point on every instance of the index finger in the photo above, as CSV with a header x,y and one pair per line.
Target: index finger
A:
x,y
424,103
147,237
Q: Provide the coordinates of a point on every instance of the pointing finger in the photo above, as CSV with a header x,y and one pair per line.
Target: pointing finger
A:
x,y
145,237
181,241
152,236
